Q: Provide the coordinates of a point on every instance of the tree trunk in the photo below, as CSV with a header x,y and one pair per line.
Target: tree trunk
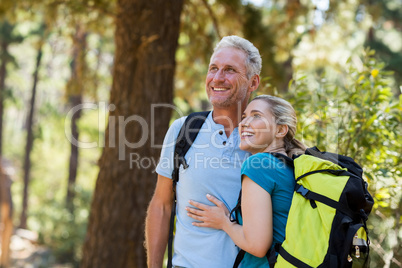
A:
x,y
75,91
6,214
146,41
29,144
3,73
73,167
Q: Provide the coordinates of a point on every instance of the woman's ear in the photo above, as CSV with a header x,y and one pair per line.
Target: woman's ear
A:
x,y
281,131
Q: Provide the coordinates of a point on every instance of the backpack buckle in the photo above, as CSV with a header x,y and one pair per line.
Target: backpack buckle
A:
x,y
301,190
182,161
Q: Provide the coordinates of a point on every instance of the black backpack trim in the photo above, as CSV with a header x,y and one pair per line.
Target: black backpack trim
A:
x,y
313,196
294,261
358,217
355,217
187,135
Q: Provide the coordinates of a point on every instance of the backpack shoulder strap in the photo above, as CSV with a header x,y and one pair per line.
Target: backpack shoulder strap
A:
x,y
285,159
187,135
239,258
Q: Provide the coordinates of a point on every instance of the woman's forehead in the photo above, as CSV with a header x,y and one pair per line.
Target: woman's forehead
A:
x,y
259,105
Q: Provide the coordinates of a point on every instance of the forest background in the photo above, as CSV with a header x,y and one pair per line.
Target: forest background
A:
x,y
80,79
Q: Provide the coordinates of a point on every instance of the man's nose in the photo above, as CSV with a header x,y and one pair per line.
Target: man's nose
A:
x,y
219,76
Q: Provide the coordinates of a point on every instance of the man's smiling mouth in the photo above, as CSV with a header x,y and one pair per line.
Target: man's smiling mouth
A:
x,y
220,89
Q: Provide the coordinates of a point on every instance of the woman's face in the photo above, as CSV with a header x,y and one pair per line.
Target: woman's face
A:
x,y
258,130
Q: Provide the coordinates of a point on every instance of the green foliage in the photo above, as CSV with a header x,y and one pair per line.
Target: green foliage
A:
x,y
355,113
8,37
62,231
348,110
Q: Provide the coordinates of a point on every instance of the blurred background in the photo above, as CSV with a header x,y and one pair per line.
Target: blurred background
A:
x,y
70,199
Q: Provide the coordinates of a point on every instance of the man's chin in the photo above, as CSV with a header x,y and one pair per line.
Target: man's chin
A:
x,y
220,103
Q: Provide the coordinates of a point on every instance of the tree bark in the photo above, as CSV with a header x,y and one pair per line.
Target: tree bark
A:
x,y
3,73
75,92
29,144
74,154
146,41
6,214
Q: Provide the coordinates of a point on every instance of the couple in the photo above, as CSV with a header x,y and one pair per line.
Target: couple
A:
x,y
205,236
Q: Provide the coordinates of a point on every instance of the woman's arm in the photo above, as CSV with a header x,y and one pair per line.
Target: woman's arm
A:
x,y
255,235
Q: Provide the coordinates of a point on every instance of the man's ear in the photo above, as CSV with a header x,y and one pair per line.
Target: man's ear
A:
x,y
281,131
255,82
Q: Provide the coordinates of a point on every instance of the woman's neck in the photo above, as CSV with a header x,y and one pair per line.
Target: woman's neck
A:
x,y
277,147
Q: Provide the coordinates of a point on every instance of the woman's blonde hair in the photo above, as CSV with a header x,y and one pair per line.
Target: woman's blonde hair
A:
x,y
285,115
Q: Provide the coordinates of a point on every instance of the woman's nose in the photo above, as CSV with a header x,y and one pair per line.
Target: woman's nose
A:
x,y
245,122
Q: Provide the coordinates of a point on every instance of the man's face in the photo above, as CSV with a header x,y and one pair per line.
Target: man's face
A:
x,y
226,82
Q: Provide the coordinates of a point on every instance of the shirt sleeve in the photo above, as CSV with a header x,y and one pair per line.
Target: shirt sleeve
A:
x,y
261,168
165,164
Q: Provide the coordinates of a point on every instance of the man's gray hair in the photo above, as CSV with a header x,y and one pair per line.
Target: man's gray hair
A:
x,y
253,63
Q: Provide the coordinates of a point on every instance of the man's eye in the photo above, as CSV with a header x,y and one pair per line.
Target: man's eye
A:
x,y
213,68
257,115
230,69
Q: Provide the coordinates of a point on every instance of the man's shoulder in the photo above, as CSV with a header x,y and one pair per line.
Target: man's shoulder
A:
x,y
178,123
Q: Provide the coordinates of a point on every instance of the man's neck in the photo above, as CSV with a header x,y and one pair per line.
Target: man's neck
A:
x,y
229,118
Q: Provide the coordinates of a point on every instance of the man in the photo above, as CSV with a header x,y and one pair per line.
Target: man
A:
x,y
214,163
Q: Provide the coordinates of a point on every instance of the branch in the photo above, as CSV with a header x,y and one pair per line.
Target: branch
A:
x,y
99,8
214,20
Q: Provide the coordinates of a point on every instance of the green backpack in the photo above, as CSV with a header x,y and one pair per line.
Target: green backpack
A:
x,y
326,225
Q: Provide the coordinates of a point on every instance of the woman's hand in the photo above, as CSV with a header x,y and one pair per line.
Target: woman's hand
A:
x,y
255,235
209,216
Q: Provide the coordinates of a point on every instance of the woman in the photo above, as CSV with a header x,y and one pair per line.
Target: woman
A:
x,y
267,129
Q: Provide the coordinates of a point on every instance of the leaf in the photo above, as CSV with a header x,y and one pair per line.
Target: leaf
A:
x,y
371,120
290,83
383,204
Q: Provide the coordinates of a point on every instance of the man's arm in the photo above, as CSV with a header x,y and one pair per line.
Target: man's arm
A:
x,y
157,222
